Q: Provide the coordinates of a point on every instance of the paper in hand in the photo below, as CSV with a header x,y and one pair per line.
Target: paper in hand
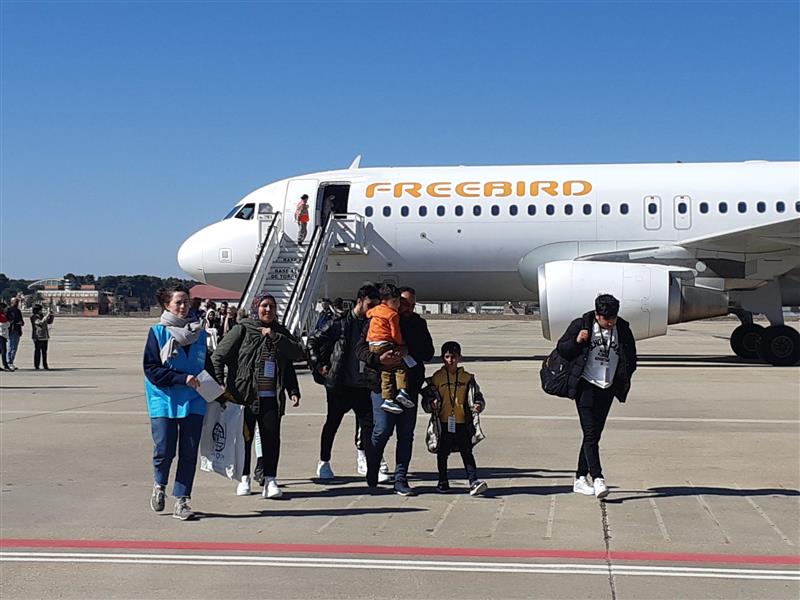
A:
x,y
409,360
209,389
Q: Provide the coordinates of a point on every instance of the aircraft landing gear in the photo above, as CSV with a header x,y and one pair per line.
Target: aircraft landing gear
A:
x,y
779,345
745,340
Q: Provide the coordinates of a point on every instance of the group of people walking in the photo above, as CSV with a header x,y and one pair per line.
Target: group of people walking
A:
x,y
11,324
371,360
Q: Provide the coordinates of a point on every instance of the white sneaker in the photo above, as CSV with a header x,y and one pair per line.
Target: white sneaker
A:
x,y
581,486
271,490
361,462
324,470
243,489
383,474
600,488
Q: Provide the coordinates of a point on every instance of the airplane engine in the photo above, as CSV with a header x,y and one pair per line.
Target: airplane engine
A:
x,y
651,296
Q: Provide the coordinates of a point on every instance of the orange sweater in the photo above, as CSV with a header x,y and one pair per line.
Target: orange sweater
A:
x,y
384,325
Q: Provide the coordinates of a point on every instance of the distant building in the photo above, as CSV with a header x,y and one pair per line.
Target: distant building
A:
x,y
210,292
59,293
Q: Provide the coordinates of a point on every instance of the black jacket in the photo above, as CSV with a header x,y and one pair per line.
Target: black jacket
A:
x,y
420,346
15,320
329,347
576,353
239,352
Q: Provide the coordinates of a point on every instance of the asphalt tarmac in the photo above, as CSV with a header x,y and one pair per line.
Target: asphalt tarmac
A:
x,y
703,462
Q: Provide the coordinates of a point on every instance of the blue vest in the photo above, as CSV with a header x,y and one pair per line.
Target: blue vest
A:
x,y
177,401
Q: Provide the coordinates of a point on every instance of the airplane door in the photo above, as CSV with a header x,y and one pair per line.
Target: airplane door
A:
x,y
683,212
295,189
652,212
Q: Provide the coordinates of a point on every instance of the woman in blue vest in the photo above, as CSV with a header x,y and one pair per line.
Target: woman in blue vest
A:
x,y
175,354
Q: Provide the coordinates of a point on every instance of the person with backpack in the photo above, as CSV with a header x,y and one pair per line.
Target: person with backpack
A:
x,y
601,352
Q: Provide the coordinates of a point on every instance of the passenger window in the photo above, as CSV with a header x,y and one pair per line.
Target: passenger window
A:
x,y
568,209
587,209
652,208
423,211
605,209
495,210
368,211
459,210
682,208
797,206
704,207
246,212
742,207
761,207
404,211
440,211
550,210
623,208
512,210
531,209
723,207
387,211
476,210
780,206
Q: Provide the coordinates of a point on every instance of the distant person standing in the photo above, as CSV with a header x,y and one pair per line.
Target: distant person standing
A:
x,y
602,354
40,331
3,335
228,321
15,325
301,218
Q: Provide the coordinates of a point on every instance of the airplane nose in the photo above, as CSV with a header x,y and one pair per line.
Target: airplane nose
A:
x,y
190,258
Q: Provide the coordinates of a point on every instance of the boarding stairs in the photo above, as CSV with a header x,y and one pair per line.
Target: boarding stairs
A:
x,y
294,273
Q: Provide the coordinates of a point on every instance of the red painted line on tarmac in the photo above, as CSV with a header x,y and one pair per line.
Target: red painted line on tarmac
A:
x,y
678,557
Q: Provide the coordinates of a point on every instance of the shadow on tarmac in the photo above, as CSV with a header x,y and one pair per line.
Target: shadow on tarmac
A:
x,y
679,491
659,360
48,387
315,512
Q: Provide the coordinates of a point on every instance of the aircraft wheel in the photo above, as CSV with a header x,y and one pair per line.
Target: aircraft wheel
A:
x,y
745,340
780,346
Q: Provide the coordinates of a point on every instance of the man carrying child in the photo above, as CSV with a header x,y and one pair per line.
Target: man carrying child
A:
x,y
384,335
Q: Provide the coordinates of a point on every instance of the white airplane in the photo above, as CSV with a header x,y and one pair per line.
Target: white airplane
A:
x,y
674,242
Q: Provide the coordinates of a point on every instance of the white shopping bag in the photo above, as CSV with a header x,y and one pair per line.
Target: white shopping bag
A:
x,y
222,441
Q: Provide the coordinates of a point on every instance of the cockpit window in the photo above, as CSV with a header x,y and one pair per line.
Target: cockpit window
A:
x,y
246,212
234,210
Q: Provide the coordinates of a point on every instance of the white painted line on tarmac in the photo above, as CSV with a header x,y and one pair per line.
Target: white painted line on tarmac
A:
x,y
765,516
402,565
426,417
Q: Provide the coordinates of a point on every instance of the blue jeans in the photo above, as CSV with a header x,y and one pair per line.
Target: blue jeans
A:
x,y
13,344
384,424
167,434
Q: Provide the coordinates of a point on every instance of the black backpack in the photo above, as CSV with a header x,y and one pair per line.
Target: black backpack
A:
x,y
555,375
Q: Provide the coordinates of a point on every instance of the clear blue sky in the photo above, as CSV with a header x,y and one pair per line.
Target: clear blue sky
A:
x,y
127,126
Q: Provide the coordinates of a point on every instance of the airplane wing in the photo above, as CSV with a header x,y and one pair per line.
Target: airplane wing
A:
x,y
772,237
757,253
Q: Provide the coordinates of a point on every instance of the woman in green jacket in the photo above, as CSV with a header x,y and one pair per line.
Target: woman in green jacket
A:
x,y
259,353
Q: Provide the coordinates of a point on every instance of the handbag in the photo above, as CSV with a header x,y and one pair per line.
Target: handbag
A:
x,y
222,440
554,375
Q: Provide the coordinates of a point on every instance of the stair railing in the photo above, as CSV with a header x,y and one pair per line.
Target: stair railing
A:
x,y
270,248
304,294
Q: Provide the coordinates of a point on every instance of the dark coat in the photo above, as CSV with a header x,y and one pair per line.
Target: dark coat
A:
x,y
329,347
576,353
15,320
239,351
420,346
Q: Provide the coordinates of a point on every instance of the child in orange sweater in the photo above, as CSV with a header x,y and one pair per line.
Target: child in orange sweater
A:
x,y
383,336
